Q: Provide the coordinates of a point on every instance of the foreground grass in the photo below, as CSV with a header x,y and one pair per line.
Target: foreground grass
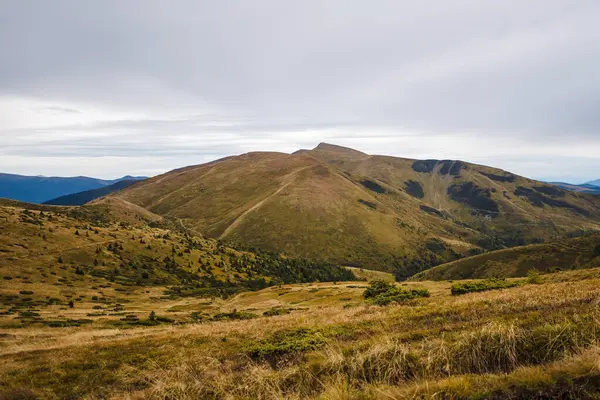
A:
x,y
518,342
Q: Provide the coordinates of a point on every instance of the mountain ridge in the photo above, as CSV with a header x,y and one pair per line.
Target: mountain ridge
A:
x,y
371,211
38,189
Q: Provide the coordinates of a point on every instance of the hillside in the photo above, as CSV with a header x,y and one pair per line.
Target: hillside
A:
x,y
378,212
38,189
81,198
576,253
53,255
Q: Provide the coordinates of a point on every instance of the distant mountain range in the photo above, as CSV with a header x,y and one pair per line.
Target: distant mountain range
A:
x,y
590,187
81,198
594,183
39,189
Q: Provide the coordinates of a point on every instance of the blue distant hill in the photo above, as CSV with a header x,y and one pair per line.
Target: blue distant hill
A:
x,y
39,189
594,183
81,198
589,188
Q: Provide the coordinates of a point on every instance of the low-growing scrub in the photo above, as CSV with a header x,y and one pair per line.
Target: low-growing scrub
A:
x,y
382,293
482,286
276,311
233,315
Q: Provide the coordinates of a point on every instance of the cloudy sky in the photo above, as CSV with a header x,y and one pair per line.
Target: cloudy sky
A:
x,y
107,88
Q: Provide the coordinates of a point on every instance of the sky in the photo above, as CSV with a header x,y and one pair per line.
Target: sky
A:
x,y
140,87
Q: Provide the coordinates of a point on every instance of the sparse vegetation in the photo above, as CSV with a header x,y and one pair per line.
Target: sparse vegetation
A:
x,y
482,286
382,293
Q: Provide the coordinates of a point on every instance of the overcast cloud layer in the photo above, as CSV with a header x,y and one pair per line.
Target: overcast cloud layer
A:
x,y
108,88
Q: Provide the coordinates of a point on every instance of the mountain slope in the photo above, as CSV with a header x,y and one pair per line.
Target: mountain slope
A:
x,y
576,253
345,206
81,198
38,189
594,183
112,248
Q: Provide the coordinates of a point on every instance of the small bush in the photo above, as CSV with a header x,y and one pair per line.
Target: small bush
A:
x,y
286,342
382,293
276,311
482,286
234,315
26,292
534,277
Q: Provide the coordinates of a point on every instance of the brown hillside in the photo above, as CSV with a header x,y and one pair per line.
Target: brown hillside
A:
x,y
345,206
576,253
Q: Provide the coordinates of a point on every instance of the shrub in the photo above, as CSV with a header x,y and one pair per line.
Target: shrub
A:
x,y
382,293
482,286
286,342
276,311
234,315
534,277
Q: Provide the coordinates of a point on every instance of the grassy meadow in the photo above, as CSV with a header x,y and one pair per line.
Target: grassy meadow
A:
x,y
325,341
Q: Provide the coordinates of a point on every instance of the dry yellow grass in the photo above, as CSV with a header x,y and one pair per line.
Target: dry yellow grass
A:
x,y
538,334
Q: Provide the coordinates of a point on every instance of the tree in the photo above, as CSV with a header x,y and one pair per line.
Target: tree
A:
x,y
71,304
152,316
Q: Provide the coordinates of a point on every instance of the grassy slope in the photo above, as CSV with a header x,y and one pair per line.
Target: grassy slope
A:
x,y
52,255
519,342
573,253
312,203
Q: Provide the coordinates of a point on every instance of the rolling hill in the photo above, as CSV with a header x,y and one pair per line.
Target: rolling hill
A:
x,y
575,253
38,189
58,251
344,206
81,198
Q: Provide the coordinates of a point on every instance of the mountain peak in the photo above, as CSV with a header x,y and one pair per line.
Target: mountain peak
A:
x,y
339,149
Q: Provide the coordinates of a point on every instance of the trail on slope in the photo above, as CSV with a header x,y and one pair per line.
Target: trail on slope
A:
x,y
241,217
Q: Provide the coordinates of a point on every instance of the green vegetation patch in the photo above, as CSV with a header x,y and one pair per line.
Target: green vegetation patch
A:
x,y
382,293
234,315
482,286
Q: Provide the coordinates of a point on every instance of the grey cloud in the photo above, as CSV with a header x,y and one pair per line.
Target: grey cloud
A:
x,y
238,75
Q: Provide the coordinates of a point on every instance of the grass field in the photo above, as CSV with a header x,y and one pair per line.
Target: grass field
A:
x,y
324,340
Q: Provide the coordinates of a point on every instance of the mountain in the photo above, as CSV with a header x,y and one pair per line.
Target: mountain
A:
x,y
594,183
344,206
575,253
584,188
81,198
38,189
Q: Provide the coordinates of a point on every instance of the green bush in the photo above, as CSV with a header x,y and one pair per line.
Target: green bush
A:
x,y
482,286
382,293
234,315
276,311
287,342
534,277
